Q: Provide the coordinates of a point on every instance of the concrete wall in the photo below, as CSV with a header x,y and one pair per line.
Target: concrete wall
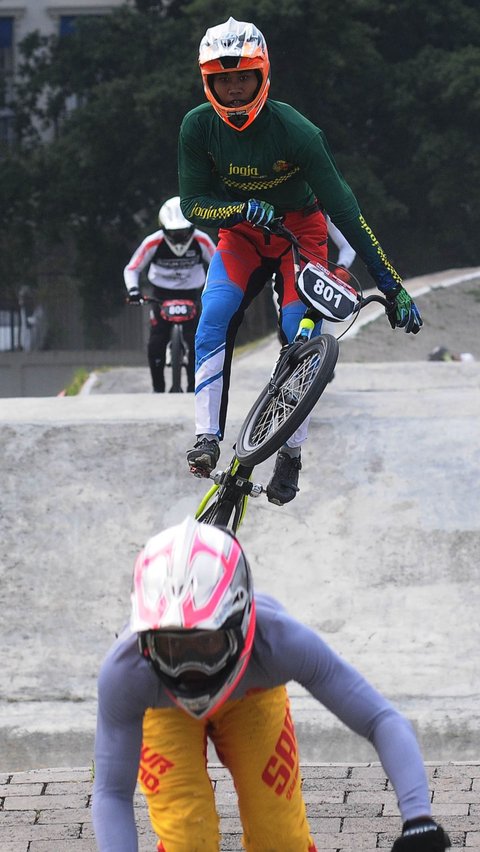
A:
x,y
48,373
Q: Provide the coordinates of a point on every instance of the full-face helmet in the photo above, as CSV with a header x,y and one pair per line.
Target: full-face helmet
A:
x,y
177,230
235,46
194,612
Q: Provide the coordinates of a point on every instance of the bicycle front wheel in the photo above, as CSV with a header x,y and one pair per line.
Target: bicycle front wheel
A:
x,y
274,417
177,358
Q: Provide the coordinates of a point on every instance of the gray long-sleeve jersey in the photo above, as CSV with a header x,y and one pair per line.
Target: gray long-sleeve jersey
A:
x,y
283,650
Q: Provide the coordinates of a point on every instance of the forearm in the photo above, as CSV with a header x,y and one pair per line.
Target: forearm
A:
x,y
362,239
343,690
397,747
117,755
131,277
207,212
114,823
346,255
137,263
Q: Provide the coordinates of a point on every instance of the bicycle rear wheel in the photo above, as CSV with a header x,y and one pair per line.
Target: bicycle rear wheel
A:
x,y
274,418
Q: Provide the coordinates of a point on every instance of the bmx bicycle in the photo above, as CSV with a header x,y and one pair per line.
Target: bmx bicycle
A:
x,y
176,312
303,370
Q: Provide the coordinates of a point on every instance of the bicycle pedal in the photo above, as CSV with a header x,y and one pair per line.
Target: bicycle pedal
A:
x,y
257,489
274,501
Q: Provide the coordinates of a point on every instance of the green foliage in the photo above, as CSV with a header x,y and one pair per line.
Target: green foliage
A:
x,y
77,383
395,86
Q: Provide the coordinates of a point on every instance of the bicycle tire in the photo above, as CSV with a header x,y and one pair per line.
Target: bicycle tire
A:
x,y
274,418
177,357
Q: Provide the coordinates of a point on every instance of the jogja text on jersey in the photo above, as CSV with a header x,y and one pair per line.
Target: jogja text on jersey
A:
x,y
244,171
216,212
380,251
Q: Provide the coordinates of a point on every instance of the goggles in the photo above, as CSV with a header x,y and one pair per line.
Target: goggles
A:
x,y
205,651
178,235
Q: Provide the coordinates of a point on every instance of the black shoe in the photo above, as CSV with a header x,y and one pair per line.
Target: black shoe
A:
x,y
203,457
283,485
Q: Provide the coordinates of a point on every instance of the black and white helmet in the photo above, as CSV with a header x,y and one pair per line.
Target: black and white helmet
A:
x,y
178,231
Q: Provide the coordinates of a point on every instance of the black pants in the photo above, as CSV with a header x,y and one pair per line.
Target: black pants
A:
x,y
160,331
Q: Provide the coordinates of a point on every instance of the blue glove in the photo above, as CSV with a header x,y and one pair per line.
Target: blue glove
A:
x,y
422,836
402,311
258,213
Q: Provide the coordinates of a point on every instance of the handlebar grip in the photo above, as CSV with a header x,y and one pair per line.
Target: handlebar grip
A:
x,y
277,227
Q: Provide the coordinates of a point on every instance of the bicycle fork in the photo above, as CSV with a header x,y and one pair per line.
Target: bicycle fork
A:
x,y
304,333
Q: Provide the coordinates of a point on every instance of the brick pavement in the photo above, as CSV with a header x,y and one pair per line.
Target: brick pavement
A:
x,y
350,807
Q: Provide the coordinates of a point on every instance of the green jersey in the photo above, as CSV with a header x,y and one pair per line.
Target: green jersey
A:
x,y
281,158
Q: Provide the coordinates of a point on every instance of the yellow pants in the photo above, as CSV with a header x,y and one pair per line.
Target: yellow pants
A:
x,y
255,739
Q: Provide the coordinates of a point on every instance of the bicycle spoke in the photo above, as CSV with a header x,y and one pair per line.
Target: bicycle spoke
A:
x,y
281,406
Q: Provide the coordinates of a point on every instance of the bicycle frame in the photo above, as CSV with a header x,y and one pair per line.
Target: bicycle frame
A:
x,y
232,487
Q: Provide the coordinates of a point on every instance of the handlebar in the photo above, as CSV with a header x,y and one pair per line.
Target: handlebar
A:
x,y
144,300
373,298
277,227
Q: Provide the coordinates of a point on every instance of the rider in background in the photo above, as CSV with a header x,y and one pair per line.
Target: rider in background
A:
x,y
203,657
178,256
243,160
346,254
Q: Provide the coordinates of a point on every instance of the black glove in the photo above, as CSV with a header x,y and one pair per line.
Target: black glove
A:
x,y
258,212
422,835
134,296
402,311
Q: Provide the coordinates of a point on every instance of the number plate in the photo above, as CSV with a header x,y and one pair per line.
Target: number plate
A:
x,y
178,310
322,290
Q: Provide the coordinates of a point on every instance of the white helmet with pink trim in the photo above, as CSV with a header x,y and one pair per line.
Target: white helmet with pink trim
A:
x,y
194,612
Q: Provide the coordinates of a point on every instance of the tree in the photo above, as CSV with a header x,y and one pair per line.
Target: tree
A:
x,y
394,86
430,123
111,160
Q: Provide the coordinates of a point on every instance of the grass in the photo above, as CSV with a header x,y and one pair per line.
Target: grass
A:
x,y
80,377
475,293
